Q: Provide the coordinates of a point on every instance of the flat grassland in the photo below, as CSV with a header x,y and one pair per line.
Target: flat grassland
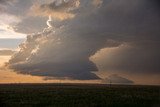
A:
x,y
78,95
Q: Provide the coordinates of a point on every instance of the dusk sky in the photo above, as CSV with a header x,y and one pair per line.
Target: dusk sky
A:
x,y
87,41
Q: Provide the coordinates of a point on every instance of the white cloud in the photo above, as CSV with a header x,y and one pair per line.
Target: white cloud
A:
x,y
8,33
8,19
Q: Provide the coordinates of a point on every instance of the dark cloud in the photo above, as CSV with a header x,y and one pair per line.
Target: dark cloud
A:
x,y
5,3
137,24
134,59
20,9
35,57
116,79
65,51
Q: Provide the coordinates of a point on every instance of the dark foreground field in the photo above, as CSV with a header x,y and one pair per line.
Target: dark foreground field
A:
x,y
78,95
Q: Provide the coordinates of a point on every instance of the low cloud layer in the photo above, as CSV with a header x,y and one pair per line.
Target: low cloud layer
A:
x,y
128,29
139,58
6,52
116,79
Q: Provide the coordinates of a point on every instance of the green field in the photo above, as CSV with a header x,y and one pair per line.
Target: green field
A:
x,y
78,95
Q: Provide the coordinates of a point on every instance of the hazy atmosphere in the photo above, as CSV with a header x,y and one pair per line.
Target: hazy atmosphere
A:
x,y
86,41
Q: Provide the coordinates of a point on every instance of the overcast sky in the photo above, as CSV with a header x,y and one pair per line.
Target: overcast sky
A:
x,y
82,39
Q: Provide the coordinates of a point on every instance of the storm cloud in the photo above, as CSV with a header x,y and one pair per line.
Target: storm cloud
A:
x,y
129,29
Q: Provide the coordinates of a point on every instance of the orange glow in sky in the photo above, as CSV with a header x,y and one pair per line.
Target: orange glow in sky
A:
x,y
8,76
